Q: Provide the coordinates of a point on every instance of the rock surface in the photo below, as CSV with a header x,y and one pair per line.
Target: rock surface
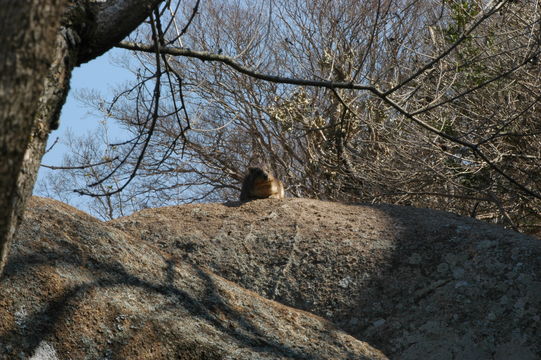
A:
x,y
77,288
414,283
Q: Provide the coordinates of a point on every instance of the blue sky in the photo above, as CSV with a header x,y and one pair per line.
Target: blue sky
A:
x,y
100,75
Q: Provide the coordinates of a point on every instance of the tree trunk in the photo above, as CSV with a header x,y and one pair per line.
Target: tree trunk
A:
x,y
37,56
28,30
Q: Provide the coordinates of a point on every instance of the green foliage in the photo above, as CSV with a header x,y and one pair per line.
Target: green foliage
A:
x,y
462,12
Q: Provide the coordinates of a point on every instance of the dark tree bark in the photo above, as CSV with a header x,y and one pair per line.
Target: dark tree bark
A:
x,y
41,41
27,34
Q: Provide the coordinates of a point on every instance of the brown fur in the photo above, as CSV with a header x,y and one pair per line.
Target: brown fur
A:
x,y
261,184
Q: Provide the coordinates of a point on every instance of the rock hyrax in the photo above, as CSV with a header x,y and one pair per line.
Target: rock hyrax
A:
x,y
261,184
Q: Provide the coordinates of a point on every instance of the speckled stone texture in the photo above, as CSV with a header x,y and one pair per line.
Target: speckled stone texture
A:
x,y
78,288
415,283
270,279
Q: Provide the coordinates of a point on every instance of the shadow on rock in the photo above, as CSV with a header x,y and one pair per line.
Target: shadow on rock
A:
x,y
79,288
